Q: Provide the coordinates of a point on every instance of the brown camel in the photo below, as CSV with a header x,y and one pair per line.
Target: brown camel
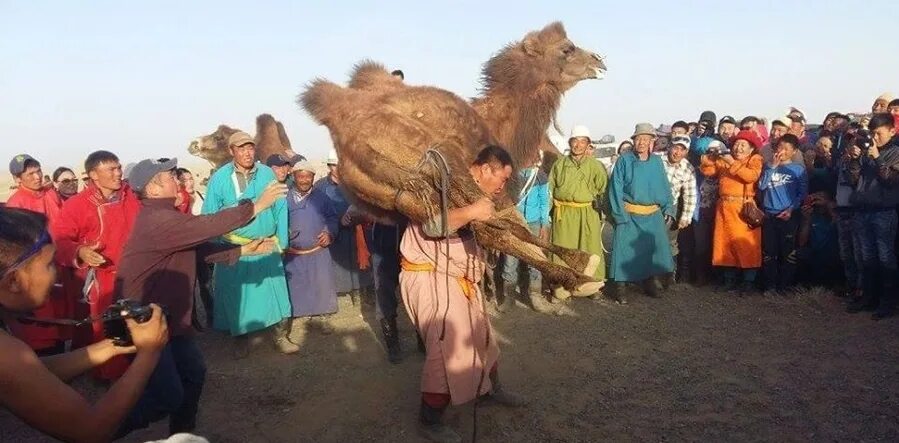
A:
x,y
270,139
382,129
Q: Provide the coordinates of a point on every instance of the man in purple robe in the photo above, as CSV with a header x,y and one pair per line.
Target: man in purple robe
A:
x,y
307,261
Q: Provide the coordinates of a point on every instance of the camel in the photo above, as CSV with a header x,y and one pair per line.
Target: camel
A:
x,y
382,128
270,139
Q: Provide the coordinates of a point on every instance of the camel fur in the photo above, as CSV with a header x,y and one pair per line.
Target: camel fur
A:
x,y
270,139
381,128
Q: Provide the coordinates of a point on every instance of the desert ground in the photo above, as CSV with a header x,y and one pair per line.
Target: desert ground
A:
x,y
695,365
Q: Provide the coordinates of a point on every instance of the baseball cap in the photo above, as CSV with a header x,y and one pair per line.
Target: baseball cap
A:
x,y
283,160
707,116
144,171
797,118
782,121
240,138
681,140
17,164
727,119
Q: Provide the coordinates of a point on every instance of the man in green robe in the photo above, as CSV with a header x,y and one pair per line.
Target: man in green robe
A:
x,y
577,182
251,294
643,210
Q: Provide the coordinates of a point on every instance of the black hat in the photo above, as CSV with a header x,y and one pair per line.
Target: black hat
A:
x,y
727,119
282,160
708,116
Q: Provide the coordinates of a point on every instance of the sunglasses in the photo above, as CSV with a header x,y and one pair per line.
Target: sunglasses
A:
x,y
66,181
42,241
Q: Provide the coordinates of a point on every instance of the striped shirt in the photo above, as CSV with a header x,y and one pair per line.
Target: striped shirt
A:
x,y
682,177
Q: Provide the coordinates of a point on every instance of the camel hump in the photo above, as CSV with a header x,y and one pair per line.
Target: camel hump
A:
x,y
324,100
264,120
370,75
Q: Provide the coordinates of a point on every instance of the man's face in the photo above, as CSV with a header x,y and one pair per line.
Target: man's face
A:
x,y
741,149
28,287
840,123
879,106
824,144
726,130
32,179
107,176
187,182
749,125
677,153
281,172
660,144
691,128
643,143
894,110
678,131
786,150
335,172
303,180
492,179
777,131
578,146
244,155
163,185
883,135
829,123
797,128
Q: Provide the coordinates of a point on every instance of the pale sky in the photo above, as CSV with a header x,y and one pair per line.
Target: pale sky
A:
x,y
143,78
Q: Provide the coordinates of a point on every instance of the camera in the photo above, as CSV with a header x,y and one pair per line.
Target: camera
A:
x,y
114,326
863,139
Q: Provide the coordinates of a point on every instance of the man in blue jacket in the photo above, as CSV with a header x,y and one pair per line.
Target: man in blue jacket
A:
x,y
784,185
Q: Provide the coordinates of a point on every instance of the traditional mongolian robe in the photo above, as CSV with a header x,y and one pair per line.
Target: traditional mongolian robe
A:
x,y
575,186
735,244
640,198
89,219
344,250
252,294
449,315
310,274
46,202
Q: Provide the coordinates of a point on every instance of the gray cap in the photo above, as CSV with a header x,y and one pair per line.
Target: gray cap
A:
x,y
17,164
144,171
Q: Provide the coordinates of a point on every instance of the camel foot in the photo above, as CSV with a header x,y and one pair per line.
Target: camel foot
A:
x,y
587,289
592,265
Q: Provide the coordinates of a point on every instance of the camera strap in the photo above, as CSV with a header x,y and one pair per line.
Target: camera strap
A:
x,y
28,320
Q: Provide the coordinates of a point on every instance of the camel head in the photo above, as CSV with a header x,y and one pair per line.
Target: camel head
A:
x,y
213,147
544,58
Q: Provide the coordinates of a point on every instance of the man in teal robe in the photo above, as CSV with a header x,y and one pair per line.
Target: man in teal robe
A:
x,y
251,294
642,208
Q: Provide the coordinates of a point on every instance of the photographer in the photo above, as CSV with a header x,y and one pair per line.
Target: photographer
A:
x,y
34,389
874,169
158,265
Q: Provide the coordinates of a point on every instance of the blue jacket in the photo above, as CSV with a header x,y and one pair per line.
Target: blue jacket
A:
x,y
784,187
535,203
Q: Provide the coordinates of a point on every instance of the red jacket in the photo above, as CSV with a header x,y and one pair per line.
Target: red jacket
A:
x,y
88,219
46,202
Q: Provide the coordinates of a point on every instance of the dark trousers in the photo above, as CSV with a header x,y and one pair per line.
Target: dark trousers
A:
x,y
779,251
173,389
703,231
385,259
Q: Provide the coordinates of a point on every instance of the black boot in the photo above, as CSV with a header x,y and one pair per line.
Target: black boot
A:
x,y
888,295
870,289
392,339
652,287
498,395
615,291
431,426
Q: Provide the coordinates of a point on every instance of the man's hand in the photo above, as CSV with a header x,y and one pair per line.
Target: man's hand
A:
x,y
481,210
855,152
260,246
324,239
151,335
269,196
544,233
729,159
873,152
89,255
785,215
683,224
347,219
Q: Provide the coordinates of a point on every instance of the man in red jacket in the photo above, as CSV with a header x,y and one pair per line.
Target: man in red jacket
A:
x,y
33,196
90,234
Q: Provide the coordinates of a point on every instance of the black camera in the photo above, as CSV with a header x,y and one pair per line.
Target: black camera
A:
x,y
114,326
863,139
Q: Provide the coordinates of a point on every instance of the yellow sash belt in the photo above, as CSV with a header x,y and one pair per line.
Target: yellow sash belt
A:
x,y
640,209
295,251
240,241
565,204
468,286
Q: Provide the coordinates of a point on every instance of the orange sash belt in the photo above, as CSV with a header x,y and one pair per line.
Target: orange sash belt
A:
x,y
468,287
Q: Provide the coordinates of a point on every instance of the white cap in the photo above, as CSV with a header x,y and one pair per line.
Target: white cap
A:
x,y
332,157
579,131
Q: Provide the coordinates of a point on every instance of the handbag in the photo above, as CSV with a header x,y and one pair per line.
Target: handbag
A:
x,y
750,212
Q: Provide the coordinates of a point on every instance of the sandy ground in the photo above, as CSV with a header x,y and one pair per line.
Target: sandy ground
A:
x,y
694,365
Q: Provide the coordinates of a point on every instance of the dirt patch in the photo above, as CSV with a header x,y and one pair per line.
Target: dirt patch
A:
x,y
693,365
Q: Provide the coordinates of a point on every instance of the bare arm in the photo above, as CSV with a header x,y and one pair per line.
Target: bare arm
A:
x,y
459,217
72,364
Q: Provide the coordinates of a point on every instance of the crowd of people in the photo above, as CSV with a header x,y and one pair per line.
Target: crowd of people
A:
x,y
752,208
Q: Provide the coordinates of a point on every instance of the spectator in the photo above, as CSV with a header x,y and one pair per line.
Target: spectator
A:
x,y
282,165
736,246
680,127
849,240
882,103
642,209
34,389
784,186
727,127
90,233
398,73
894,111
184,200
682,178
819,252
706,125
534,204
704,218
779,128
576,182
876,174
66,182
